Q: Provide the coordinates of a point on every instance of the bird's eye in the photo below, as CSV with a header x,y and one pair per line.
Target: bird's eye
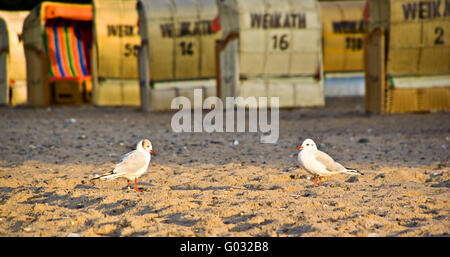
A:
x,y
307,144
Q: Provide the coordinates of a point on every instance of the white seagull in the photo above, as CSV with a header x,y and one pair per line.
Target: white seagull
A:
x,y
319,163
131,165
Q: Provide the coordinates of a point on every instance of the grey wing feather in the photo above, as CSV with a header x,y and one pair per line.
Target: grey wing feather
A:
x,y
131,162
328,162
125,156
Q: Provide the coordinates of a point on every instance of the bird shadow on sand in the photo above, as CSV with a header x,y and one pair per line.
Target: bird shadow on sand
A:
x,y
68,201
63,200
144,186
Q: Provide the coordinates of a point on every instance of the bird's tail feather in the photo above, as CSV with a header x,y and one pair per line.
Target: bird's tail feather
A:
x,y
108,176
353,171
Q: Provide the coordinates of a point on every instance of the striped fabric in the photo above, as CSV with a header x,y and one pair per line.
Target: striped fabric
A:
x,y
68,45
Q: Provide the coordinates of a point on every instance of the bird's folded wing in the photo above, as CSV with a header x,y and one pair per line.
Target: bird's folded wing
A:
x,y
131,162
327,161
126,155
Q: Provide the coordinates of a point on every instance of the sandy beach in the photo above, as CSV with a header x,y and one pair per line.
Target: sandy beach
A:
x,y
223,184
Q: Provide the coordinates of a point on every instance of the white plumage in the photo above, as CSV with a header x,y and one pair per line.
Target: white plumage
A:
x,y
319,163
133,164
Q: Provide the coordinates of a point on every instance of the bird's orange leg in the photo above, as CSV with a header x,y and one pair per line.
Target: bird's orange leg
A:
x,y
320,180
314,181
135,183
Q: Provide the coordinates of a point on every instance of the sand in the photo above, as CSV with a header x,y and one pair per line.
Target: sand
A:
x,y
204,184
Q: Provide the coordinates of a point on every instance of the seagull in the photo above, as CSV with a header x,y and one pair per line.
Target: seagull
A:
x,y
131,165
319,163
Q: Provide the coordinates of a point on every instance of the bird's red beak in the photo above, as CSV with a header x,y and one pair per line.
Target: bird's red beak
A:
x,y
300,147
153,152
